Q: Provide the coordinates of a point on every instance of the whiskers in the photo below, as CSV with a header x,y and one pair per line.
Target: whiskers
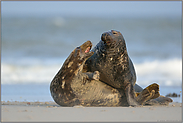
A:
x,y
73,46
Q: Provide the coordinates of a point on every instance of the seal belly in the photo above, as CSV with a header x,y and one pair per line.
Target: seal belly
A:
x,y
95,93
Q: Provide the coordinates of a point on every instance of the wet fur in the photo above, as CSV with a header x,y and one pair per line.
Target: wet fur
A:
x,y
72,87
111,59
116,68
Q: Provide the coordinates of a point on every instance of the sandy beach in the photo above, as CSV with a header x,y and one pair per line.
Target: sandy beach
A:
x,y
50,111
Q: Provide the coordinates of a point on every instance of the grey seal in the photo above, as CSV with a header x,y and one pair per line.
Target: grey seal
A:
x,y
116,69
111,59
71,86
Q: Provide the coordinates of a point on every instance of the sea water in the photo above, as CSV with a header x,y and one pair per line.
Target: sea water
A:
x,y
34,49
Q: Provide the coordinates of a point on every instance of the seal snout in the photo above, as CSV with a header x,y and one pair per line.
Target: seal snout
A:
x,y
103,37
87,50
106,37
86,47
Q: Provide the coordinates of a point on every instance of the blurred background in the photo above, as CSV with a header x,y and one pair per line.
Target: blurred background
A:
x,y
37,37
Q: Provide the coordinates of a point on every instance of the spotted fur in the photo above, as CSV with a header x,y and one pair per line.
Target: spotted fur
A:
x,y
116,69
111,59
71,86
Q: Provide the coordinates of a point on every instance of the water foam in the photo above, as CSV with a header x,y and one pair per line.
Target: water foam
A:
x,y
167,72
12,74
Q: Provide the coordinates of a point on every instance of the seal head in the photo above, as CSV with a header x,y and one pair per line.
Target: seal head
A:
x,y
111,38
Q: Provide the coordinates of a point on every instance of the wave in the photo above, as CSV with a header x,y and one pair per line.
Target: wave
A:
x,y
24,74
165,72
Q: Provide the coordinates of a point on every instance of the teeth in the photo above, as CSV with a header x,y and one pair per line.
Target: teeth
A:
x,y
87,50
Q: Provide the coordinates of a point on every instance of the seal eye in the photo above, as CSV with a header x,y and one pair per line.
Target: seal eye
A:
x,y
114,32
78,48
77,51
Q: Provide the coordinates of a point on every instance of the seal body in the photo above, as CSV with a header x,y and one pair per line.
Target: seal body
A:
x,y
111,59
71,86
116,69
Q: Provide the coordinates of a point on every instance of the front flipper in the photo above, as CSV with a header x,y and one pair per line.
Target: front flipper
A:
x,y
92,76
150,92
96,75
88,76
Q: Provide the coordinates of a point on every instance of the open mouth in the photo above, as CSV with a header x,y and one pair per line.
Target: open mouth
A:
x,y
88,49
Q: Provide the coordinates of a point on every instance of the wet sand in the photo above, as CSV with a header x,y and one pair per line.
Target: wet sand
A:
x,y
51,112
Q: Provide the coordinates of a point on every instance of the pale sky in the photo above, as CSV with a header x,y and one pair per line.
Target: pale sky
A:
x,y
92,8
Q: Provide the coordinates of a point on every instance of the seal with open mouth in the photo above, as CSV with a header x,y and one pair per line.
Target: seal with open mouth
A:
x,y
71,86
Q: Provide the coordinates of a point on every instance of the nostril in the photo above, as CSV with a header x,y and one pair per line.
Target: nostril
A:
x,y
103,37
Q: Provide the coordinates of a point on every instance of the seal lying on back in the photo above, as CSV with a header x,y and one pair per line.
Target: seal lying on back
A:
x,y
72,87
